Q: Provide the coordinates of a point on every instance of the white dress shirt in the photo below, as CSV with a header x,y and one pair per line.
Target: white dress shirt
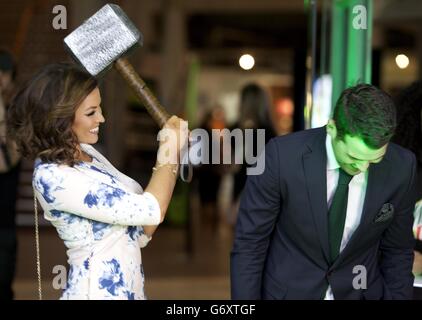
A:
x,y
356,197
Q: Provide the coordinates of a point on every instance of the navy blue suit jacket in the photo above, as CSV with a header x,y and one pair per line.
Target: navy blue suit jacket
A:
x,y
281,248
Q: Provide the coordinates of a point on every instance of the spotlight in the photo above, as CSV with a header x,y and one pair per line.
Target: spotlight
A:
x,y
402,61
246,62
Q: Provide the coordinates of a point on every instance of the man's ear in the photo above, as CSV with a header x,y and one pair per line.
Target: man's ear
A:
x,y
332,129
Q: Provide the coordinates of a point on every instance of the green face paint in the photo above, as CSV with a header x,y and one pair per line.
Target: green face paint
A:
x,y
354,156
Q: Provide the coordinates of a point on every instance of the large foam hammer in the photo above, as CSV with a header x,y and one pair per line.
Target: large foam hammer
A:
x,y
103,41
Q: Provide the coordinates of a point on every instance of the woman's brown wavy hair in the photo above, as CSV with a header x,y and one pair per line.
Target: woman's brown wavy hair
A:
x,y
41,115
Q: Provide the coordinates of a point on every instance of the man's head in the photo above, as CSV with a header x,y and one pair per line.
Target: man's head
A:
x,y
363,123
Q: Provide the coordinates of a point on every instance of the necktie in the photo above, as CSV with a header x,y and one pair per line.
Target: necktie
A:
x,y
337,213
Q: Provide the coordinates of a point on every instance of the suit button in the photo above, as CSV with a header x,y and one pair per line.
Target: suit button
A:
x,y
329,273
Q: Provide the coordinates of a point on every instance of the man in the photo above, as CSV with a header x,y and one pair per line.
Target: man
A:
x,y
9,176
331,216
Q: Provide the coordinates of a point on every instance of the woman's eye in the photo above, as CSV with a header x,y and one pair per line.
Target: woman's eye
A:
x,y
91,113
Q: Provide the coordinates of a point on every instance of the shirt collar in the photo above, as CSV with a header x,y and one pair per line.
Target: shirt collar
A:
x,y
332,163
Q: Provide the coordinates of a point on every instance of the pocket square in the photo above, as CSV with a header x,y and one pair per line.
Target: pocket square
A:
x,y
386,213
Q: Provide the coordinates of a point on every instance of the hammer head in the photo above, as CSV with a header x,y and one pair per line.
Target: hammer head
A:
x,y
102,39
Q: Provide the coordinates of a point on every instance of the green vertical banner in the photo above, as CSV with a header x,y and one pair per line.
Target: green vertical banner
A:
x,y
178,209
351,37
192,92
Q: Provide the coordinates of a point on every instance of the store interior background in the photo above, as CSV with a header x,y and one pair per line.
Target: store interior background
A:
x,y
189,58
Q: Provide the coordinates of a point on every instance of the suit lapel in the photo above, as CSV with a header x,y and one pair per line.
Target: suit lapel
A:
x,y
315,168
377,178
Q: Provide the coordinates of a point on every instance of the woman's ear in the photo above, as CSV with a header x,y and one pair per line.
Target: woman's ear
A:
x,y
332,129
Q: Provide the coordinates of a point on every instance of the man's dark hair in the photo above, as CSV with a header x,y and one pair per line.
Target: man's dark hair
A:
x,y
366,112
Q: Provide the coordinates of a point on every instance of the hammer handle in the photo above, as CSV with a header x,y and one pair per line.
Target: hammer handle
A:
x,y
151,103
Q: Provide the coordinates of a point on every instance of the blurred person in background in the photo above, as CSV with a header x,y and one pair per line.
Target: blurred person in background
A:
x,y
9,178
254,113
209,176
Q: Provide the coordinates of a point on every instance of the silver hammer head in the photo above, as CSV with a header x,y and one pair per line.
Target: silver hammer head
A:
x,y
102,39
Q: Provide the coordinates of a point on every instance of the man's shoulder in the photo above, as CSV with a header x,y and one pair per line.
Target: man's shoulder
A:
x,y
398,154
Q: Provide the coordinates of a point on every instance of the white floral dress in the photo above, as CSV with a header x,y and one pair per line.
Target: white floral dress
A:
x,y
98,213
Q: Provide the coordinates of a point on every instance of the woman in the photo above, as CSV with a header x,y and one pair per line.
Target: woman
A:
x,y
103,216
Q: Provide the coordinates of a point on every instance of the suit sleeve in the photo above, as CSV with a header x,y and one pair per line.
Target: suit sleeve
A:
x,y
258,212
397,245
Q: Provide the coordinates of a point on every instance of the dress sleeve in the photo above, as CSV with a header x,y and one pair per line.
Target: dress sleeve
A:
x,y
143,239
67,189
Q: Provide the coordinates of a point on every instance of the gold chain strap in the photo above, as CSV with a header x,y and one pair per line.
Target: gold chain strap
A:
x,y
37,248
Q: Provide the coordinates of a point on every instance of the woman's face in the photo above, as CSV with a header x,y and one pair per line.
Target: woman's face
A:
x,y
88,117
